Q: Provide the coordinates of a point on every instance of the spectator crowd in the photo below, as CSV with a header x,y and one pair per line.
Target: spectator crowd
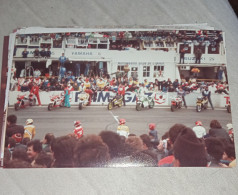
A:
x,y
180,146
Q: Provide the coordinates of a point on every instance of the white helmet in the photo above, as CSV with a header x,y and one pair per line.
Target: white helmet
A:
x,y
29,121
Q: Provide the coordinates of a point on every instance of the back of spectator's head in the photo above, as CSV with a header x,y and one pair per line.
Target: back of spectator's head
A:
x,y
174,131
11,142
113,141
215,147
91,151
20,154
49,137
230,151
143,159
12,119
135,142
146,140
63,150
188,150
44,160
215,124
16,163
25,140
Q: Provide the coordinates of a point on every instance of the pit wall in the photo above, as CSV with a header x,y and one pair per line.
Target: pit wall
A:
x,y
161,99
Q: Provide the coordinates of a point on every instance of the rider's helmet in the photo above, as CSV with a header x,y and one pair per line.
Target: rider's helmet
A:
x,y
152,126
122,121
29,121
77,123
198,123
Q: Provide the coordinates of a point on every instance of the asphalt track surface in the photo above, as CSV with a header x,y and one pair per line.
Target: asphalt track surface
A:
x,y
94,119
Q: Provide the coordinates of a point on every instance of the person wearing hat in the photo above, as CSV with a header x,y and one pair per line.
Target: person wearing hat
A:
x,y
78,130
207,94
199,130
189,151
30,129
153,133
122,129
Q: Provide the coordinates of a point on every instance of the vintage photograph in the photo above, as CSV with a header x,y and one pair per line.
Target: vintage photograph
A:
x,y
149,96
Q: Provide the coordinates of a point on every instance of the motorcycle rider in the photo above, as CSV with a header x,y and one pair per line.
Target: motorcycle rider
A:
x,y
122,129
182,94
78,130
207,94
30,129
199,130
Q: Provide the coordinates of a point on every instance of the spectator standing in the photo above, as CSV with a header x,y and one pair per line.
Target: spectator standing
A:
x,y
206,93
43,53
62,60
48,53
182,53
198,55
182,94
35,91
25,53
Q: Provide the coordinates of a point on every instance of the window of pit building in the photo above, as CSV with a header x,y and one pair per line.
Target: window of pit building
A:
x,y
213,49
146,71
121,68
201,47
157,70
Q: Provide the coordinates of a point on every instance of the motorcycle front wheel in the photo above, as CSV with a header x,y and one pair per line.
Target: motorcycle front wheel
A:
x,y
50,106
228,109
198,108
17,106
80,106
109,106
152,104
172,108
138,107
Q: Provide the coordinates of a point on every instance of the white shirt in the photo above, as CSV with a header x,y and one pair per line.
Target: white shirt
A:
x,y
199,131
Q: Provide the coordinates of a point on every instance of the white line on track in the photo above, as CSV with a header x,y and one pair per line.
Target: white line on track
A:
x,y
115,117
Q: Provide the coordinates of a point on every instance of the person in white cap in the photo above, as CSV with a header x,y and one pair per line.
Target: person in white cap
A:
x,y
30,129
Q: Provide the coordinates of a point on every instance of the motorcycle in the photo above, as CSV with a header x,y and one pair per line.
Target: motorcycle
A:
x,y
176,103
114,101
144,101
23,101
83,99
56,101
228,104
202,103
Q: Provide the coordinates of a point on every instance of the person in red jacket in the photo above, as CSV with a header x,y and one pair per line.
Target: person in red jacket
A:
x,y
78,130
122,91
35,91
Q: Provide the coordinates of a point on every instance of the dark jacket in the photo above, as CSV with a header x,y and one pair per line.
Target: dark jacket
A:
x,y
13,129
220,133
